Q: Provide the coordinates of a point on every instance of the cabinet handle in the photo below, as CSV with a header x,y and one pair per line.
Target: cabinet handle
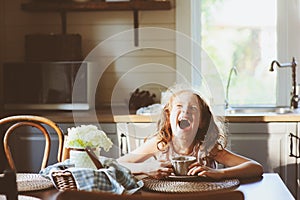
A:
x,y
123,144
295,138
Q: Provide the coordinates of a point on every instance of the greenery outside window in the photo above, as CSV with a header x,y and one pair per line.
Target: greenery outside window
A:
x,y
242,34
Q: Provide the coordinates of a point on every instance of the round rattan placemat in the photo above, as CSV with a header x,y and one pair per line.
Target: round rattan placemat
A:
x,y
188,186
20,197
32,182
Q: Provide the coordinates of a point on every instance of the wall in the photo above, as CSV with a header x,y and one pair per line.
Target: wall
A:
x,y
95,28
1,46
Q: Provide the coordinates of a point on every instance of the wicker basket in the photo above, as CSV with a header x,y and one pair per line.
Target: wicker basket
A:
x,y
64,180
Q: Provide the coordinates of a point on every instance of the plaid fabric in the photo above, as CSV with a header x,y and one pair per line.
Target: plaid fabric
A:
x,y
113,177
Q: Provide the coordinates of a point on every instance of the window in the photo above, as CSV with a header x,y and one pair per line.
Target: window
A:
x,y
242,34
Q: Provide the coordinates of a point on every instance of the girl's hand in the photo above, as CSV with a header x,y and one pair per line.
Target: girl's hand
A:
x,y
202,170
158,169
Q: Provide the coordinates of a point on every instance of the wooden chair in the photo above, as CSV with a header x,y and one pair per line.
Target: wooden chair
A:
x,y
8,185
223,195
37,122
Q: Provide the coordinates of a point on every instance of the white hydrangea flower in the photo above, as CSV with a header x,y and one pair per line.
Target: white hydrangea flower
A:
x,y
88,135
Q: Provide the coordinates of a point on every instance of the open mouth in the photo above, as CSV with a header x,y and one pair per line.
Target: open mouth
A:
x,y
184,123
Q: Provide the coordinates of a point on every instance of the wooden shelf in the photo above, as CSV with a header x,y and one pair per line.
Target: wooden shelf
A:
x,y
96,5
44,6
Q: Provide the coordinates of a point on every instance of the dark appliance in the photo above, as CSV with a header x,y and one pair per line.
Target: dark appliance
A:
x,y
46,86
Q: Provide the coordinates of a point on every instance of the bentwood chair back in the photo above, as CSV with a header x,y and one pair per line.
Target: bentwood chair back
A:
x,y
79,195
38,122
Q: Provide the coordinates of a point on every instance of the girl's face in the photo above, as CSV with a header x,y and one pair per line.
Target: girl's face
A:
x,y
185,115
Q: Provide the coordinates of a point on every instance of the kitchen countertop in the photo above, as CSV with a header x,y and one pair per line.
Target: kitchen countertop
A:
x,y
263,117
86,116
105,117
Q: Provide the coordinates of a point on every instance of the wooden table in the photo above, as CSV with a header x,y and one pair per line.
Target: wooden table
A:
x,y
269,187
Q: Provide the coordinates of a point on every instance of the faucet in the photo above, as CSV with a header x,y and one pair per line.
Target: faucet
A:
x,y
294,95
233,69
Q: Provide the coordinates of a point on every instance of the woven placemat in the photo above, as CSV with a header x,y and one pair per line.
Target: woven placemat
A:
x,y
21,197
188,186
32,182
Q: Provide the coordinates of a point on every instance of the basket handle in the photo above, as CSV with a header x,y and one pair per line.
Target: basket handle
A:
x,y
93,157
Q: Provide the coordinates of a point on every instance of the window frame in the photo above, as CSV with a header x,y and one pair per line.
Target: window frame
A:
x,y
288,22
288,44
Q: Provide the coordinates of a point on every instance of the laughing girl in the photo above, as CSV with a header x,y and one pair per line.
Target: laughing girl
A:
x,y
187,127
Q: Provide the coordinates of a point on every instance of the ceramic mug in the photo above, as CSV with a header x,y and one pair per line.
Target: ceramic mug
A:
x,y
181,164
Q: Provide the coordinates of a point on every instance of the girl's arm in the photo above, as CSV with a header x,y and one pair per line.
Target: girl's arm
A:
x,y
236,166
141,153
137,161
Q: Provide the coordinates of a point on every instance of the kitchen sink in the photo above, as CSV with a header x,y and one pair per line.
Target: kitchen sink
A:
x,y
257,110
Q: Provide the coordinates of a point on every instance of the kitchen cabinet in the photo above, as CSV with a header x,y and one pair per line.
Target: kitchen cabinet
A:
x,y
296,148
63,7
131,135
269,144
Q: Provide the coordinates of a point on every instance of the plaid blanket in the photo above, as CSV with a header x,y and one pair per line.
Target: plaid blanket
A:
x,y
113,178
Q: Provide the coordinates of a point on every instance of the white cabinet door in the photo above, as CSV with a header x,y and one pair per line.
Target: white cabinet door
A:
x,y
252,141
132,135
267,143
